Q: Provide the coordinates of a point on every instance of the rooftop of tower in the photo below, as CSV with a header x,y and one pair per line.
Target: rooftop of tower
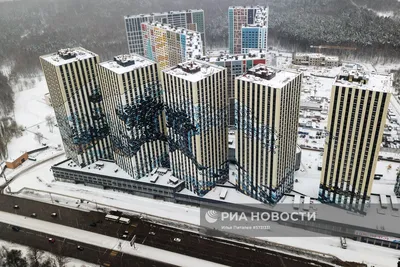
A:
x,y
194,45
264,75
223,56
360,79
193,70
68,55
126,63
249,7
163,13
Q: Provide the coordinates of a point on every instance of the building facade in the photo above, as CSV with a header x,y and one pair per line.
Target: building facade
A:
x,y
169,46
267,113
235,65
313,59
357,115
71,76
133,100
248,28
397,185
188,19
196,100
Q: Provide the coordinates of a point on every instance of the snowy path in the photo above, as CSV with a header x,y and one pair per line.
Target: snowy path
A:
x,y
104,241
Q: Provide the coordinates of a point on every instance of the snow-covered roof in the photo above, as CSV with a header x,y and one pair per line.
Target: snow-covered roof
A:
x,y
363,80
233,196
163,13
315,56
68,55
126,63
193,70
112,170
261,74
223,56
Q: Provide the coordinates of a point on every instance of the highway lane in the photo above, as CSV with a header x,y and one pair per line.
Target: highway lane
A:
x,y
68,248
159,236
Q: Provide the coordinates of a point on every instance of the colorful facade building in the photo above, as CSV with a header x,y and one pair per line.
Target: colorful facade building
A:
x,y
192,19
168,45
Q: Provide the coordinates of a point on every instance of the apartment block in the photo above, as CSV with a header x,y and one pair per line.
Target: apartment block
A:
x,y
71,76
357,115
196,100
192,19
133,100
168,45
248,28
235,65
267,113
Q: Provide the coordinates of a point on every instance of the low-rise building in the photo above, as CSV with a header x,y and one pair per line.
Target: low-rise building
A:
x,y
159,184
314,59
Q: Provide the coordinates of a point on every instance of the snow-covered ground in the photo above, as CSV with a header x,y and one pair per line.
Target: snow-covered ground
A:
x,y
30,112
71,262
309,178
104,241
356,251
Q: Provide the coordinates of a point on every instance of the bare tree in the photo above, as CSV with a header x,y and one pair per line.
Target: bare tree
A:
x,y
50,122
39,137
61,260
35,256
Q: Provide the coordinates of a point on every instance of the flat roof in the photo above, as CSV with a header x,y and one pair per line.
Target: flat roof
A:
x,y
204,69
77,53
375,82
134,61
281,78
224,56
108,169
163,13
248,7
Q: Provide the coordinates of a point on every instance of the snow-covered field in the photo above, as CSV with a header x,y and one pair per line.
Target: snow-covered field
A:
x,y
30,112
71,262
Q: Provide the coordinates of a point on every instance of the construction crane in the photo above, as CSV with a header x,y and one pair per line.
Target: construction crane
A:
x,y
319,47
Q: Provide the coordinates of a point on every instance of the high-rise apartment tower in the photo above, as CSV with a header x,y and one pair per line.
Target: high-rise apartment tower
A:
x,y
357,115
71,76
192,19
248,28
133,100
196,100
267,113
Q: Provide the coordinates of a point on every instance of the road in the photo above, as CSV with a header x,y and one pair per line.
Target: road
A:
x,y
192,244
68,248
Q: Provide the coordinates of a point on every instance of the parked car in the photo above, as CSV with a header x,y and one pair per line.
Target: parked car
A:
x,y
176,239
16,207
152,233
93,224
80,248
33,215
15,228
54,214
52,240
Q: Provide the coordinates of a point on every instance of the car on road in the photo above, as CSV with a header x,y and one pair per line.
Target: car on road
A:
x,y
126,232
16,207
51,240
54,214
176,239
15,228
152,233
33,215
124,236
80,248
93,224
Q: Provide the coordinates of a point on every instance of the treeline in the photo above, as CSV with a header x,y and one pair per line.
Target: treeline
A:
x,y
31,28
33,258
